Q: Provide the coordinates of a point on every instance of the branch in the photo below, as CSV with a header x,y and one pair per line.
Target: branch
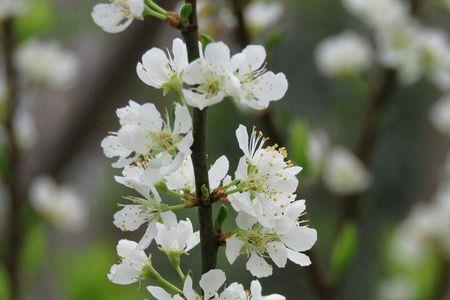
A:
x,y
209,244
11,180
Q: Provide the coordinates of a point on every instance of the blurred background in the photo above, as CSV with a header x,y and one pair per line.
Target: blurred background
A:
x,y
65,124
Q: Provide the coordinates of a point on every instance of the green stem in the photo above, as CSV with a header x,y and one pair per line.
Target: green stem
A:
x,y
234,182
156,7
234,191
174,207
152,274
149,12
179,95
180,273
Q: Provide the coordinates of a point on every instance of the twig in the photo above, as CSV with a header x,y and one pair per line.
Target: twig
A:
x,y
16,201
209,244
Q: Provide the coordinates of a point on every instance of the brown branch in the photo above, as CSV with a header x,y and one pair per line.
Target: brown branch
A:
x,y
11,178
209,244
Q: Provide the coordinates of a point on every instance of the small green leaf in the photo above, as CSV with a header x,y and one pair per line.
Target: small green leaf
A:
x,y
205,191
185,13
299,143
274,39
205,39
221,216
344,250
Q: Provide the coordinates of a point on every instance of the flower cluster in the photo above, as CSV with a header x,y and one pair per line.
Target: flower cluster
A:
x,y
155,157
214,76
402,44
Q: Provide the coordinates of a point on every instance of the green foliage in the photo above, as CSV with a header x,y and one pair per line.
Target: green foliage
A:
x,y
344,250
299,145
4,290
205,39
185,12
39,18
274,39
83,275
34,250
221,216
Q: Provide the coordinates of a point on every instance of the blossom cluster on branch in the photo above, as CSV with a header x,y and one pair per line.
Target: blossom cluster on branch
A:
x,y
154,153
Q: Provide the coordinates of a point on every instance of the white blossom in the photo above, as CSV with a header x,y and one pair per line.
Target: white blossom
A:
x,y
258,86
268,181
379,14
210,283
183,179
440,115
162,70
117,15
148,210
145,138
176,238
11,8
209,78
396,289
25,129
60,205
261,15
344,173
286,241
47,62
132,263
343,54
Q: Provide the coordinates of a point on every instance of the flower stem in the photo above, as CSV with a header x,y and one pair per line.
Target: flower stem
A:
x,y
174,207
179,95
156,7
152,274
209,244
150,12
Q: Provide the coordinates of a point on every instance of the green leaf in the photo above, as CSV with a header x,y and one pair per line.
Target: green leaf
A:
x,y
344,250
274,39
39,18
185,13
221,216
299,143
34,249
205,39
4,289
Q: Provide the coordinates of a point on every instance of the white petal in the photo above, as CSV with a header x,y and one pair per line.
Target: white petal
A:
x,y
258,267
300,238
243,140
270,86
295,209
245,221
183,121
233,248
136,7
122,274
277,252
130,217
110,18
112,147
180,57
218,171
159,293
256,290
217,53
153,70
188,291
298,258
255,56
211,281
195,72
148,236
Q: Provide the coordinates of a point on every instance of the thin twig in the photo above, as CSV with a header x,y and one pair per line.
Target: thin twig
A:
x,y
209,244
11,178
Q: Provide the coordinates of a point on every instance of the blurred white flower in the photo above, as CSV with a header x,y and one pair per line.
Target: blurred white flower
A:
x,y
261,15
132,263
318,145
175,238
159,69
11,8
379,14
25,129
118,14
258,86
285,241
440,115
345,53
267,181
60,205
396,289
344,174
145,138
183,179
210,77
46,62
